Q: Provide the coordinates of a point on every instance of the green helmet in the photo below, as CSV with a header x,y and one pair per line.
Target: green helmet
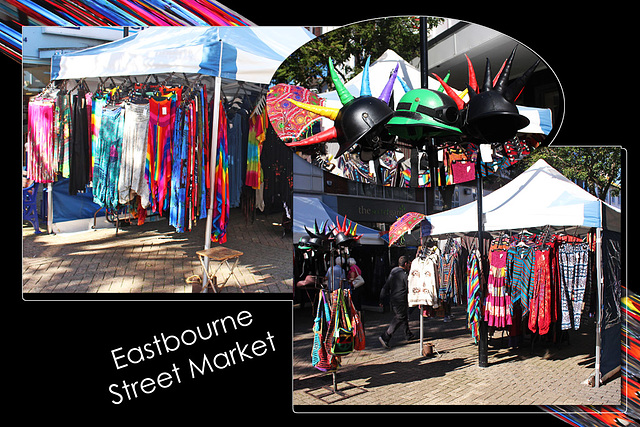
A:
x,y
424,113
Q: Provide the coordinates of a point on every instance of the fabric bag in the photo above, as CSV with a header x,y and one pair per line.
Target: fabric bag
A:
x,y
357,281
343,341
358,329
320,357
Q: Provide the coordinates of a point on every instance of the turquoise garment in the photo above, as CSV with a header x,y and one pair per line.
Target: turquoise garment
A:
x,y
106,168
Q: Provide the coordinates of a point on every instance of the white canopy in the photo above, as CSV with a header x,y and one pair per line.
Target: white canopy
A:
x,y
310,210
538,197
250,54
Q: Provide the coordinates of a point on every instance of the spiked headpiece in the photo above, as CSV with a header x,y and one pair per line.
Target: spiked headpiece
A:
x,y
345,235
360,120
491,114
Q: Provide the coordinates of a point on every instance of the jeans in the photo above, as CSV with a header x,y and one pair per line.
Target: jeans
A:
x,y
400,320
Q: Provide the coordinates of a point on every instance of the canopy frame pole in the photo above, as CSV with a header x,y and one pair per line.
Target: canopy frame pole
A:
x,y
212,171
50,208
600,286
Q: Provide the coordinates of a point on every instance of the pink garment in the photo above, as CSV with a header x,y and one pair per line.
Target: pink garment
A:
x,y
463,171
41,159
497,303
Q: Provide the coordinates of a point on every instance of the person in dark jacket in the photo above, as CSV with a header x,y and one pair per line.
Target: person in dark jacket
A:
x,y
396,288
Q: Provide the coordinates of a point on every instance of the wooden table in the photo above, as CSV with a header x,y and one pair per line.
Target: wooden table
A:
x,y
219,255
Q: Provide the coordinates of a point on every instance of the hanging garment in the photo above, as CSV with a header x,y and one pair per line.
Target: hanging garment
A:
x,y
474,293
158,151
40,141
423,281
542,306
107,164
132,181
179,152
98,103
220,191
463,171
257,135
63,130
573,262
520,263
79,145
449,289
497,307
234,135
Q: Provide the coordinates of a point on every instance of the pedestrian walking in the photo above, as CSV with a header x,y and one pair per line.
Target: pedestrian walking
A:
x,y
396,287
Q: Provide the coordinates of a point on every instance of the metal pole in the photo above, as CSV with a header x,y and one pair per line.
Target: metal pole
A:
x,y
483,334
600,287
212,173
424,73
50,208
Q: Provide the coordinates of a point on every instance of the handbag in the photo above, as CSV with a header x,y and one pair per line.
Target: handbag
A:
x,y
320,357
358,329
357,281
343,342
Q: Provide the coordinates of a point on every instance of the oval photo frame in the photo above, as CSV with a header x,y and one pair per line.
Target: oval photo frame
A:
x,y
370,117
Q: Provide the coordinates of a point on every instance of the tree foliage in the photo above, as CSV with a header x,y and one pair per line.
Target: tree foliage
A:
x,y
307,67
598,167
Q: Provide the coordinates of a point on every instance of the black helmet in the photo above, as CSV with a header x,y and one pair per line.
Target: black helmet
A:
x,y
492,115
362,121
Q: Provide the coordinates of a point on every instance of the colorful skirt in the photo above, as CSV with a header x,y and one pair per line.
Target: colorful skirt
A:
x,y
498,310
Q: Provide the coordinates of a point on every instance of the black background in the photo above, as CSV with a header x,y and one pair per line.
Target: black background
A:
x,y
59,350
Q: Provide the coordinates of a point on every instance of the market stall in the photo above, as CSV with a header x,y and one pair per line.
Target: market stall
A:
x,y
532,210
239,60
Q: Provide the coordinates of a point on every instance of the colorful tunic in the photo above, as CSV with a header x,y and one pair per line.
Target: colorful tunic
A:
x,y
498,309
573,260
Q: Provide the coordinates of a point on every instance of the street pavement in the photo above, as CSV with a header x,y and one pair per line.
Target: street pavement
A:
x,y
543,374
154,258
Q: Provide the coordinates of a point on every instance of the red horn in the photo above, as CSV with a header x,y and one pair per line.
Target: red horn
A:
x,y
459,102
324,136
473,83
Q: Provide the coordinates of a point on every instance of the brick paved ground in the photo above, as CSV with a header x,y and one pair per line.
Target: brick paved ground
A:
x,y
154,258
550,375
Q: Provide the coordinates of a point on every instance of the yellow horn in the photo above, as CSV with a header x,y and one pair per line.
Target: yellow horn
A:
x,y
327,112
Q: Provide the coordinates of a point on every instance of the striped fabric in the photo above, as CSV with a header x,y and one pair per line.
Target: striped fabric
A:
x,y
497,305
520,260
474,303
573,260
221,196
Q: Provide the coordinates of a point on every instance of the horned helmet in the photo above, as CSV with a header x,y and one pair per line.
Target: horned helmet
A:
x,y
360,121
491,114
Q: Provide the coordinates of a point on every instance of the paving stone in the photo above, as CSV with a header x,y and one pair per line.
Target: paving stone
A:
x,y
154,258
400,376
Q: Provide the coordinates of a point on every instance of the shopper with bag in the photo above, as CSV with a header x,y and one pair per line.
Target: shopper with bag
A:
x,y
354,275
396,287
